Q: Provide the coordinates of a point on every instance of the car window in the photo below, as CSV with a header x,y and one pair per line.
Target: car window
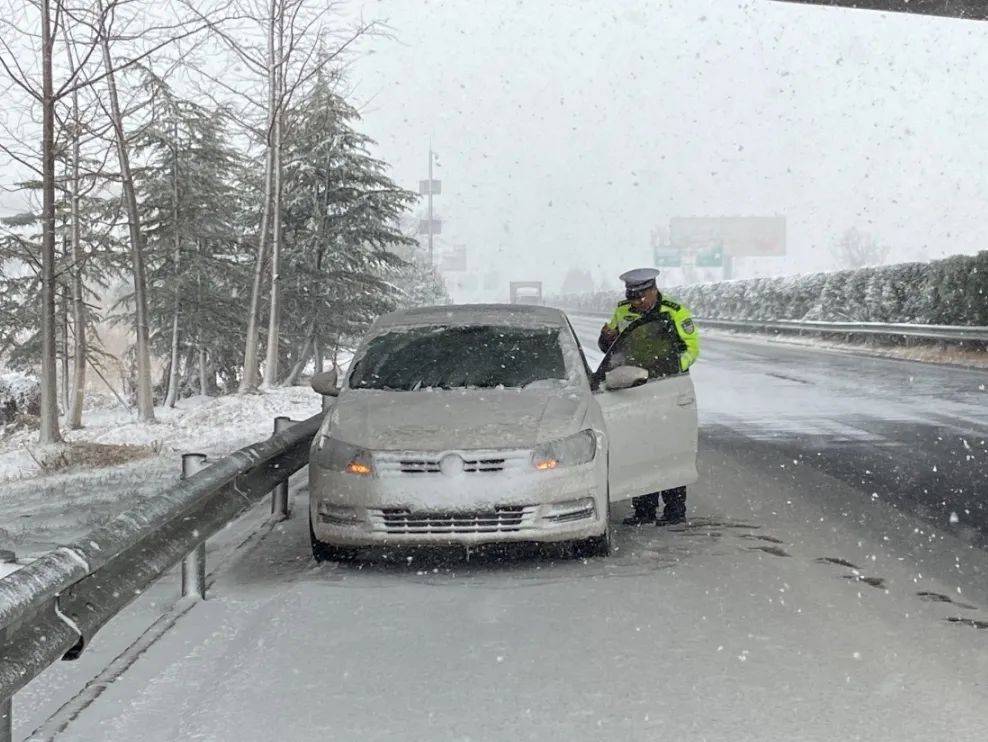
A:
x,y
653,346
448,357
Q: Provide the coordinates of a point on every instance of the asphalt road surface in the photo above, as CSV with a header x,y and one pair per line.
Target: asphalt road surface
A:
x,y
820,591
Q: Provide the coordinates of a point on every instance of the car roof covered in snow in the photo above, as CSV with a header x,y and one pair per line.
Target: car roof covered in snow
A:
x,y
527,315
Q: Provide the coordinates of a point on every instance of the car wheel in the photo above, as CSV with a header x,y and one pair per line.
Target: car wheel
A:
x,y
323,552
591,548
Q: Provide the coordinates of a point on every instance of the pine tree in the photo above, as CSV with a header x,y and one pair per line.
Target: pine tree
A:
x,y
189,208
97,260
341,213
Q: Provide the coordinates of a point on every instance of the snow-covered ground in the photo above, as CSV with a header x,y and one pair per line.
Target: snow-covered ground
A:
x,y
38,511
768,617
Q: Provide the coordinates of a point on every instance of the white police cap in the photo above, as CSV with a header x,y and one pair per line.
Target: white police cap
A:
x,y
639,279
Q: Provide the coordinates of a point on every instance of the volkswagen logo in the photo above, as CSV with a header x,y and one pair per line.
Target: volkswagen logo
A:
x,y
451,465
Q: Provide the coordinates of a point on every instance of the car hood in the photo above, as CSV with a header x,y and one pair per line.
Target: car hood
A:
x,y
440,420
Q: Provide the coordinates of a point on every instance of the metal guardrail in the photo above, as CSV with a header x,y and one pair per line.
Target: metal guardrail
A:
x,y
954,333
51,608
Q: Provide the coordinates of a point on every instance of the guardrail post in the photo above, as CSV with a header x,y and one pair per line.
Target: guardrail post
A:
x,y
279,495
6,707
194,564
7,720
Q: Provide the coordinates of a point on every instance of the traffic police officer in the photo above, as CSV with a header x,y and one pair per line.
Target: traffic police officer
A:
x,y
645,302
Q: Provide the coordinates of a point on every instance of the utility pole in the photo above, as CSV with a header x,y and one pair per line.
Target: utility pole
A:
x,y
430,226
432,249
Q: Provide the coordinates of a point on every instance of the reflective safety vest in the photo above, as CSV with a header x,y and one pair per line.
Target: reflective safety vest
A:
x,y
676,315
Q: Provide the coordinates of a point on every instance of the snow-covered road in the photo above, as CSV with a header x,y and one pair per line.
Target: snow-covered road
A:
x,y
795,604
912,434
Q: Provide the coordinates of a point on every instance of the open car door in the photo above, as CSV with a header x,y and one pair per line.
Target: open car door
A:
x,y
652,424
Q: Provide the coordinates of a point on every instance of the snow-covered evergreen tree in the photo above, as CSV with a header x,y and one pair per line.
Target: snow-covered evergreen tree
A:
x,y
341,212
190,200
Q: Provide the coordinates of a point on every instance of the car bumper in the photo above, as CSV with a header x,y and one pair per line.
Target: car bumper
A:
x,y
562,505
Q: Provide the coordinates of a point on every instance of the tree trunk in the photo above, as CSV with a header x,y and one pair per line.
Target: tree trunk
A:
x,y
189,367
299,366
79,316
250,379
49,432
145,399
274,311
318,360
172,396
203,375
80,347
64,329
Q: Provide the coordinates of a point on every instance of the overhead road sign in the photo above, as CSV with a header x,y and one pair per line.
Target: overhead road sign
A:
x,y
666,257
734,236
975,10
712,258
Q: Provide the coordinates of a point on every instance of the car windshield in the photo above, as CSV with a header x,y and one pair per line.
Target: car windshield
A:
x,y
448,357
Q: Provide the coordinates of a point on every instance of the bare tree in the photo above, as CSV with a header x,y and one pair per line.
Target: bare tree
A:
x,y
278,84
49,412
298,43
172,396
79,320
34,75
856,248
145,398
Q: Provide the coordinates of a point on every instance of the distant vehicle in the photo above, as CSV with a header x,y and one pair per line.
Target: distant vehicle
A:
x,y
484,423
525,292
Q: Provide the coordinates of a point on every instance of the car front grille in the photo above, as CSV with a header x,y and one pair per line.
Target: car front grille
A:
x,y
506,519
474,462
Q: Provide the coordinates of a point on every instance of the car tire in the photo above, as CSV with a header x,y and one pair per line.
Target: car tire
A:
x,y
323,552
596,547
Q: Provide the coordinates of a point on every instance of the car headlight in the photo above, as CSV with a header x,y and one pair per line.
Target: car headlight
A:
x,y
337,455
576,449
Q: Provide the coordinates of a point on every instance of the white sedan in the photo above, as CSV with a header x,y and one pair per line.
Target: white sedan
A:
x,y
483,423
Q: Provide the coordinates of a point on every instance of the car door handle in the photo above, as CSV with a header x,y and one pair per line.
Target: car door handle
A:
x,y
685,400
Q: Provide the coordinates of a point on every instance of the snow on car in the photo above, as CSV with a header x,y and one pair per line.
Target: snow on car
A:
x,y
483,423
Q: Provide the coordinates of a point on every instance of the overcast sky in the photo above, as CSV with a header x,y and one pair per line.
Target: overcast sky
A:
x,y
567,130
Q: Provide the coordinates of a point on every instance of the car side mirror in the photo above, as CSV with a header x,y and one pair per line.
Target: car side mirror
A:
x,y
625,377
325,384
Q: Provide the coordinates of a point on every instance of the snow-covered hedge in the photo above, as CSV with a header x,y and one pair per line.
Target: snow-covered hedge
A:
x,y
952,291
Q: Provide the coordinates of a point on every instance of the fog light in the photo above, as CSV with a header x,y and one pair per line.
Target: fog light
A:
x,y
339,514
561,512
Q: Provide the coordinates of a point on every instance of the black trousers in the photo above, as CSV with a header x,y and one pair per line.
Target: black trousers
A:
x,y
674,500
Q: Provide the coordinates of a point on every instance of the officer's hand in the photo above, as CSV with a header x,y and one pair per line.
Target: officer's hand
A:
x,y
608,333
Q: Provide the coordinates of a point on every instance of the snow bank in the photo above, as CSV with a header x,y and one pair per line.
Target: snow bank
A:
x,y
39,511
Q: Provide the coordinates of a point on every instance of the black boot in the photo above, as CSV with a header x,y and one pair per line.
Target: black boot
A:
x,y
675,507
639,519
645,508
